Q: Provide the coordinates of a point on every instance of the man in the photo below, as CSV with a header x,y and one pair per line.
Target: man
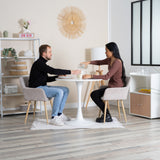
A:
x,y
39,78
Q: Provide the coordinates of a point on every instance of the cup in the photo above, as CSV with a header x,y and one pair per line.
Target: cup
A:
x,y
82,66
79,76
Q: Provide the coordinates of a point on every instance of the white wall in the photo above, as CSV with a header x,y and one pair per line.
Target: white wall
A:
x,y
120,32
43,16
120,28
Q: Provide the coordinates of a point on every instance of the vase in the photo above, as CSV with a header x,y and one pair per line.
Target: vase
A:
x,y
5,34
26,30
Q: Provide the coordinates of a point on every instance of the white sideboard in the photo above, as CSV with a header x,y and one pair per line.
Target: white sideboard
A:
x,y
145,104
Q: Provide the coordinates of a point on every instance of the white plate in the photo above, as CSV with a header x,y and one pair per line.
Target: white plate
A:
x,y
65,77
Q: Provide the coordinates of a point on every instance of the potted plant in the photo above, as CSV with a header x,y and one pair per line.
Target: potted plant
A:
x,y
9,52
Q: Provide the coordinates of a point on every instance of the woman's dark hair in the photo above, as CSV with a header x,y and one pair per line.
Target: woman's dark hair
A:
x,y
114,49
43,48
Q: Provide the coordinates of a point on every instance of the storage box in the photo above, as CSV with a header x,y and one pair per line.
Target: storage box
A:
x,y
10,88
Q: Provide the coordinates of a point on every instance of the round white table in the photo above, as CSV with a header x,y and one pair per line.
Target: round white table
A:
x,y
79,84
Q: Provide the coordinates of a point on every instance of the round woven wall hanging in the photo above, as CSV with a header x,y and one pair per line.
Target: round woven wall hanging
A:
x,y
71,22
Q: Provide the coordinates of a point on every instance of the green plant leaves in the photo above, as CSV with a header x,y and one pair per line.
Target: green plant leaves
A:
x,y
6,51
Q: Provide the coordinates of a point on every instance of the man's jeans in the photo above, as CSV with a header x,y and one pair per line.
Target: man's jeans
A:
x,y
60,95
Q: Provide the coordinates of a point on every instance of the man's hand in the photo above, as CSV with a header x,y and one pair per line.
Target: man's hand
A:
x,y
76,71
62,75
86,76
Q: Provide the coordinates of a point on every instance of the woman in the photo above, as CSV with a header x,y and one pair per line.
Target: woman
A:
x,y
116,76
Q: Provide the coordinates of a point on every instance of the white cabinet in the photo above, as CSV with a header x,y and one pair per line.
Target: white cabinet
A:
x,y
11,99
145,104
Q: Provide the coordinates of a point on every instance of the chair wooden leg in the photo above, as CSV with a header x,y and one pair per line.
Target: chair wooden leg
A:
x,y
29,104
108,106
92,86
34,109
46,111
105,109
51,102
124,111
119,112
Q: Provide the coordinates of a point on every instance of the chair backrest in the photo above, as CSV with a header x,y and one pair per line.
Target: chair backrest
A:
x,y
24,81
32,94
127,82
125,90
119,93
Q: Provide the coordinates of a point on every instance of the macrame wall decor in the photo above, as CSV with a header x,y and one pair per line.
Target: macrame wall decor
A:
x,y
71,22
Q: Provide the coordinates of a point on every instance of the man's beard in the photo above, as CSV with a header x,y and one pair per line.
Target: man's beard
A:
x,y
48,58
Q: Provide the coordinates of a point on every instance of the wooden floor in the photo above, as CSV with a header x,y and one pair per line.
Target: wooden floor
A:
x,y
139,140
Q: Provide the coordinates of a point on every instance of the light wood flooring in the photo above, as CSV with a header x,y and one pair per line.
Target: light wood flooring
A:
x,y
139,140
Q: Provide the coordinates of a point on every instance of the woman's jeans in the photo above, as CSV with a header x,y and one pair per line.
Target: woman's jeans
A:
x,y
96,96
60,95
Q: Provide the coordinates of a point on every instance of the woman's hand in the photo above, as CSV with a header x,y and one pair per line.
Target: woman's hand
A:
x,y
86,76
76,71
85,64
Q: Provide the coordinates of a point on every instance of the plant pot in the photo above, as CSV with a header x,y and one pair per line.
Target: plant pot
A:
x,y
26,30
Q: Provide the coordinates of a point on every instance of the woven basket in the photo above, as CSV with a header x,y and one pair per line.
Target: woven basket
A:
x,y
18,72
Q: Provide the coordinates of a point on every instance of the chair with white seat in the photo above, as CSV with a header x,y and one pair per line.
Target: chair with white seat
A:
x,y
33,94
119,94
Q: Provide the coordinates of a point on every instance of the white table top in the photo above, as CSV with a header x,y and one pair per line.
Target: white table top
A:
x,y
77,80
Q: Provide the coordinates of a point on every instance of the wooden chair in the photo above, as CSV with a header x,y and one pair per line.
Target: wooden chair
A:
x,y
119,94
33,94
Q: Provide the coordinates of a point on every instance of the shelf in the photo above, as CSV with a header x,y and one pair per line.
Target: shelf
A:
x,y
140,74
13,94
141,103
16,76
136,92
19,39
33,44
14,112
18,58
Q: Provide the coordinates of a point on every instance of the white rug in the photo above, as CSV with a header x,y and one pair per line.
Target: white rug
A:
x,y
40,124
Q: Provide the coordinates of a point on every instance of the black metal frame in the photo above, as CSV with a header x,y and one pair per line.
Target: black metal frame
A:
x,y
141,7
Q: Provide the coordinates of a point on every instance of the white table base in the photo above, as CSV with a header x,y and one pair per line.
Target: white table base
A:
x,y
79,84
79,111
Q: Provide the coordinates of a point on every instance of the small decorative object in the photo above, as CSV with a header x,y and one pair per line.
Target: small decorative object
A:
x,y
10,88
71,22
26,35
9,52
145,91
5,34
24,107
24,25
28,53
